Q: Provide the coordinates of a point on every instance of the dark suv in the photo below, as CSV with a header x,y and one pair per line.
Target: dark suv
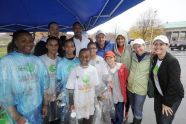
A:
x,y
180,45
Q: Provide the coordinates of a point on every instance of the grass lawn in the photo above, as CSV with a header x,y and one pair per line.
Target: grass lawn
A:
x,y
3,51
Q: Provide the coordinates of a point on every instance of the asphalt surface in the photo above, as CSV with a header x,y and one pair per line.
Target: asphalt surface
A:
x,y
148,110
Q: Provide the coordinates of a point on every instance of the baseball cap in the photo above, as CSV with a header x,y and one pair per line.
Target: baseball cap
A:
x,y
162,38
137,41
100,32
109,54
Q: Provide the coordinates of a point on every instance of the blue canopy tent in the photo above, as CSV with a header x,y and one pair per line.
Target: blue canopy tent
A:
x,y
34,15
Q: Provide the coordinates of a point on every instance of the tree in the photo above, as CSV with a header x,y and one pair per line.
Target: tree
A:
x,y
147,26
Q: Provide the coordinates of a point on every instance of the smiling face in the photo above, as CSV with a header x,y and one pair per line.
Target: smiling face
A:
x,y
69,47
84,57
52,46
139,49
120,40
100,38
24,43
110,61
159,48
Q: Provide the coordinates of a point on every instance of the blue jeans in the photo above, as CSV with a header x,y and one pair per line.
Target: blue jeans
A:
x,y
136,102
119,110
160,118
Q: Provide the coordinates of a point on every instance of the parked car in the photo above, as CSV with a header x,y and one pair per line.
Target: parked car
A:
x,y
180,45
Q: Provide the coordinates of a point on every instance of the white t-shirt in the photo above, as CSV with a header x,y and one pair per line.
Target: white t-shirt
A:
x,y
51,67
101,67
80,44
83,81
155,72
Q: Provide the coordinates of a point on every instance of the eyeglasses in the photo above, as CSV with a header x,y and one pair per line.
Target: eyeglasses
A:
x,y
92,48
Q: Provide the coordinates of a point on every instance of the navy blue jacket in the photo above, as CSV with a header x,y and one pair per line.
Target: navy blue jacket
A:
x,y
108,47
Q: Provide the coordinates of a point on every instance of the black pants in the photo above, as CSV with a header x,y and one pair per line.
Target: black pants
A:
x,y
160,118
86,121
127,105
55,122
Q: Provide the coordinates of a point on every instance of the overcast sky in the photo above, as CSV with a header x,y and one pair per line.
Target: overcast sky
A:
x,y
167,11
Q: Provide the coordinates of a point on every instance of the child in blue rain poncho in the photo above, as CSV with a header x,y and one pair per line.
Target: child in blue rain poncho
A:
x,y
64,68
23,83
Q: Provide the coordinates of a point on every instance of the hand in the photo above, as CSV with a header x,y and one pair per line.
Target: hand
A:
x,y
21,120
152,53
110,84
16,116
45,110
166,110
102,97
72,107
53,97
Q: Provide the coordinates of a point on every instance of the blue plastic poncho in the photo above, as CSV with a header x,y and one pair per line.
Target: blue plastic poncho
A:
x,y
22,83
64,67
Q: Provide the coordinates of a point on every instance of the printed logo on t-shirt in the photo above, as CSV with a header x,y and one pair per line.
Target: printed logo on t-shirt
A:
x,y
52,68
84,88
29,67
86,79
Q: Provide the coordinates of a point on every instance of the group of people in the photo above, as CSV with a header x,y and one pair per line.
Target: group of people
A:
x,y
95,82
